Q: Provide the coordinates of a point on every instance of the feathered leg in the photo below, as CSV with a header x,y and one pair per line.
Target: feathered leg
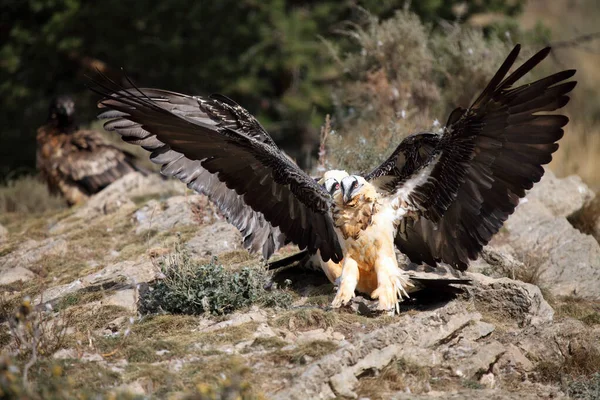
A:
x,y
391,283
347,282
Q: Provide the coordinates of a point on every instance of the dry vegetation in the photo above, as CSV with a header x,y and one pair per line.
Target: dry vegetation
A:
x,y
407,78
26,195
580,148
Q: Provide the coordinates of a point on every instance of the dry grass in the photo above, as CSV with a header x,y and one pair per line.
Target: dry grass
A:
x,y
400,375
586,311
587,220
581,361
580,148
579,151
304,353
28,195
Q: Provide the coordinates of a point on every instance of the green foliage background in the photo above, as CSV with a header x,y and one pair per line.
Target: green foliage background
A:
x,y
268,55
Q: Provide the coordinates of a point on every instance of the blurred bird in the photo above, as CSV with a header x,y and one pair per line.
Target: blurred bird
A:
x,y
437,198
77,163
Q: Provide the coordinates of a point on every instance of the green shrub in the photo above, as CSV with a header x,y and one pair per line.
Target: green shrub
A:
x,y
586,388
190,288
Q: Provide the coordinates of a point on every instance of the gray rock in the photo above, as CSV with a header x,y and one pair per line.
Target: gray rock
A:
x,y
113,197
488,381
497,261
120,276
91,357
520,301
118,197
255,315
215,239
15,274
562,197
477,359
478,394
174,212
318,335
513,360
564,260
126,298
33,252
430,332
65,354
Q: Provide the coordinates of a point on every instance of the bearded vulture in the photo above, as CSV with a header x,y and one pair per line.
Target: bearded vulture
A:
x,y
76,163
437,198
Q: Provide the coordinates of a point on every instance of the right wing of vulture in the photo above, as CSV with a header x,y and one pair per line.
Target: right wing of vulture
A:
x,y
466,182
217,148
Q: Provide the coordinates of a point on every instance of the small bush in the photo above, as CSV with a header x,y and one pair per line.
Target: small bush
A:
x,y
189,288
588,389
581,363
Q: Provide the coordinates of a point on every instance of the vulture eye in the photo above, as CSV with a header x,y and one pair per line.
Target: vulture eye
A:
x,y
337,186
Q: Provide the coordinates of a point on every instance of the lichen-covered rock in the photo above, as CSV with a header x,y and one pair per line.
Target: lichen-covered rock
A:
x,y
32,253
215,239
176,211
520,301
562,197
118,276
567,261
15,274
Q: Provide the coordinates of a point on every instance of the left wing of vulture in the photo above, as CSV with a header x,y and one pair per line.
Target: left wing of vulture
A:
x,y
466,182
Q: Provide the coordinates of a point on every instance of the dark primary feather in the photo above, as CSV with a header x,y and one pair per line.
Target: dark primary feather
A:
x,y
487,157
217,148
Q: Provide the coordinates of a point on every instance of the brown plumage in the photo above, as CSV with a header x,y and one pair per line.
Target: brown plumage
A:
x,y
357,216
76,163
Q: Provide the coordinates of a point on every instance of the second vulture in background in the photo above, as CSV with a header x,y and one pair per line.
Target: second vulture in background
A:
x,y
77,163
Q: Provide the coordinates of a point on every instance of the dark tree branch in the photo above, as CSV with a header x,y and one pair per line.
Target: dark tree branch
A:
x,y
576,41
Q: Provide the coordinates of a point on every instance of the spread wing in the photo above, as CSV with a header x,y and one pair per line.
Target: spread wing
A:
x,y
258,234
465,183
217,148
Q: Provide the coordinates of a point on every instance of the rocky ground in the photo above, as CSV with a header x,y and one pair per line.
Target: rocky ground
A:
x,y
528,326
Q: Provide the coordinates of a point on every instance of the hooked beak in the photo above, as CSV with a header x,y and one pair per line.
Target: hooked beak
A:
x,y
347,196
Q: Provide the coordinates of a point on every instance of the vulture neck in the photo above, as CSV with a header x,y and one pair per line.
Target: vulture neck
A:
x,y
357,215
63,124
